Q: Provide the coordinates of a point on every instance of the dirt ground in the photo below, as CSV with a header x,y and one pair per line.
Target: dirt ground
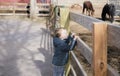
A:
x,y
86,36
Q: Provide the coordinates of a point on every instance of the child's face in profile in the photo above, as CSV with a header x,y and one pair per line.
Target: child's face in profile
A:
x,y
64,34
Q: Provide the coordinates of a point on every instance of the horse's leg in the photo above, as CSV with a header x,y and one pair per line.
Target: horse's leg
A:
x,y
88,12
83,10
111,18
103,15
91,12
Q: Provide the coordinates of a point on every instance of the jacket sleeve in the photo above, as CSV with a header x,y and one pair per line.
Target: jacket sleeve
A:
x,y
67,47
68,39
72,46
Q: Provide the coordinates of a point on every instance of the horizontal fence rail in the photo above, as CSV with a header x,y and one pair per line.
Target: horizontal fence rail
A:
x,y
76,64
21,9
114,36
87,22
85,50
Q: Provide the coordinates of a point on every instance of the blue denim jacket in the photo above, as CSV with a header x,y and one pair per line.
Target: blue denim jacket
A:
x,y
61,50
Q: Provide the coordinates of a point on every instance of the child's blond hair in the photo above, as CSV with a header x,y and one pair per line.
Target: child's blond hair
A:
x,y
58,32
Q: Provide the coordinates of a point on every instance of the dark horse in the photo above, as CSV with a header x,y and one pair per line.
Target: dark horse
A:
x,y
110,10
89,8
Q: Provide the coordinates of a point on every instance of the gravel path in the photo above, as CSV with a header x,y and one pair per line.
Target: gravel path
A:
x,y
25,48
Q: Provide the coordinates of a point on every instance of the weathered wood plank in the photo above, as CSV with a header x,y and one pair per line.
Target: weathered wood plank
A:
x,y
86,51
43,9
20,9
24,4
4,3
64,18
9,8
6,14
114,36
21,4
17,9
85,21
43,4
17,14
33,7
13,7
78,67
72,70
111,71
100,49
43,15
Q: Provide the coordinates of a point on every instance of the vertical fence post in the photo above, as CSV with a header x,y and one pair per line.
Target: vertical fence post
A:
x,y
33,6
64,22
14,6
52,16
57,17
99,49
64,18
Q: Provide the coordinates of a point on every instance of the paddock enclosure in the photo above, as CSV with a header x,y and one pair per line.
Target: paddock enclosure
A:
x,y
26,45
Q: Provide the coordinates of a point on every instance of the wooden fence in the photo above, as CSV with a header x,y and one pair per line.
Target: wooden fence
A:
x,y
103,35
20,9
